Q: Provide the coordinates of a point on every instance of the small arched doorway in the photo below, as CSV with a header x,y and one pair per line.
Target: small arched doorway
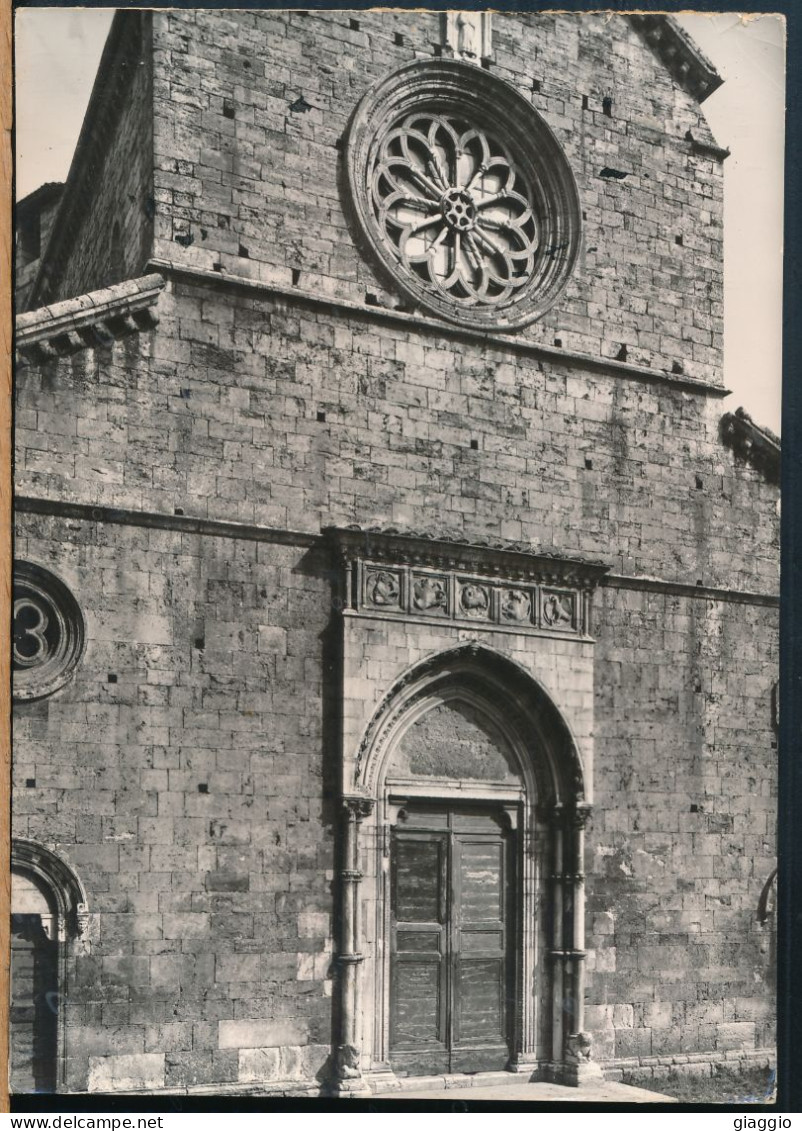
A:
x,y
48,907
463,928
33,1012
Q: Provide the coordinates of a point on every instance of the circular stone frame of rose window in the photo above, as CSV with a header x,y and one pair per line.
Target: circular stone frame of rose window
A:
x,y
62,636
461,92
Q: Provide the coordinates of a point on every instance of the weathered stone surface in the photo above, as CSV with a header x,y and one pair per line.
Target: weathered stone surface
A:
x,y
260,1034
187,770
138,1072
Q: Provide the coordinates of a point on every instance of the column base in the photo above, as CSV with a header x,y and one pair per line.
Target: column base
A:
x,y
349,1089
348,1079
579,1068
381,1078
527,1065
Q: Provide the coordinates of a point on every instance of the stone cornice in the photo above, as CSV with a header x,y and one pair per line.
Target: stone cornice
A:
x,y
502,342
756,446
513,561
250,532
706,148
93,319
680,55
695,592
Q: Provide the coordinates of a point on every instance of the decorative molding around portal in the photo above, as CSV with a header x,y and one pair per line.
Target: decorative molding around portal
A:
x,y
30,858
544,800
388,574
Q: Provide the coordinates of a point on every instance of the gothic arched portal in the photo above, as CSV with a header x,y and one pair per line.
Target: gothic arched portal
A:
x,y
48,908
462,907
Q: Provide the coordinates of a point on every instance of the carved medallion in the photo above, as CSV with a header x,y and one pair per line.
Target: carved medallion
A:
x,y
383,589
474,600
516,605
47,632
558,610
430,594
462,190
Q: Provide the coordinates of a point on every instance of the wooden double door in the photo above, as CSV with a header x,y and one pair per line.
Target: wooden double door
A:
x,y
452,969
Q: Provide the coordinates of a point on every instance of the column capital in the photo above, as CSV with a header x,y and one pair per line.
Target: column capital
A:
x,y
580,813
357,807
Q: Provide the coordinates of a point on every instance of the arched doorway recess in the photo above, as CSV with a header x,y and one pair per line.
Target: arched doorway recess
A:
x,y
48,911
468,792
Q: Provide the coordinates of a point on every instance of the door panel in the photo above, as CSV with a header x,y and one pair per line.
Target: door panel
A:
x,y
450,962
418,1018
33,1010
418,880
480,951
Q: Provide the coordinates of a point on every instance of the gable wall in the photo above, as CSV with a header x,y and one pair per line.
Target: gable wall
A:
x,y
265,178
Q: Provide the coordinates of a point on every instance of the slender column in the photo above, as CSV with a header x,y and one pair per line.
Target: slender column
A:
x,y
580,816
348,595
558,943
347,1053
580,1068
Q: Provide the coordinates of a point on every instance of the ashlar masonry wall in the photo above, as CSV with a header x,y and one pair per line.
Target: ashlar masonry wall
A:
x,y
178,481
218,414
243,130
258,180
214,907
182,774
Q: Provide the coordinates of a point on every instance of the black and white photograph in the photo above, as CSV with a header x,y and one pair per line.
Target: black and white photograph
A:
x,y
396,554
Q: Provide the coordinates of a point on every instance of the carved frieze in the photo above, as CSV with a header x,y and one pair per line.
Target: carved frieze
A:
x,y
559,609
430,594
398,575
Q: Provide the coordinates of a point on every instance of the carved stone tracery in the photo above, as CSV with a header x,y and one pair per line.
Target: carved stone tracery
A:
x,y
452,203
47,632
460,190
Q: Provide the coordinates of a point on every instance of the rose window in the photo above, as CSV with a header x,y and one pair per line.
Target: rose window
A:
x,y
452,204
463,194
47,632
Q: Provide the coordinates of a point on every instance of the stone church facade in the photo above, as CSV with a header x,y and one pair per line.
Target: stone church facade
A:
x,y
395,604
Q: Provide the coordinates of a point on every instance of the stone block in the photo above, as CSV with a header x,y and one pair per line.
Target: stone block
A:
x,y
258,1066
736,1035
257,1034
140,1072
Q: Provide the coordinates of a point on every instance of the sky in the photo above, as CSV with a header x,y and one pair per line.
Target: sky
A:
x,y
58,49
